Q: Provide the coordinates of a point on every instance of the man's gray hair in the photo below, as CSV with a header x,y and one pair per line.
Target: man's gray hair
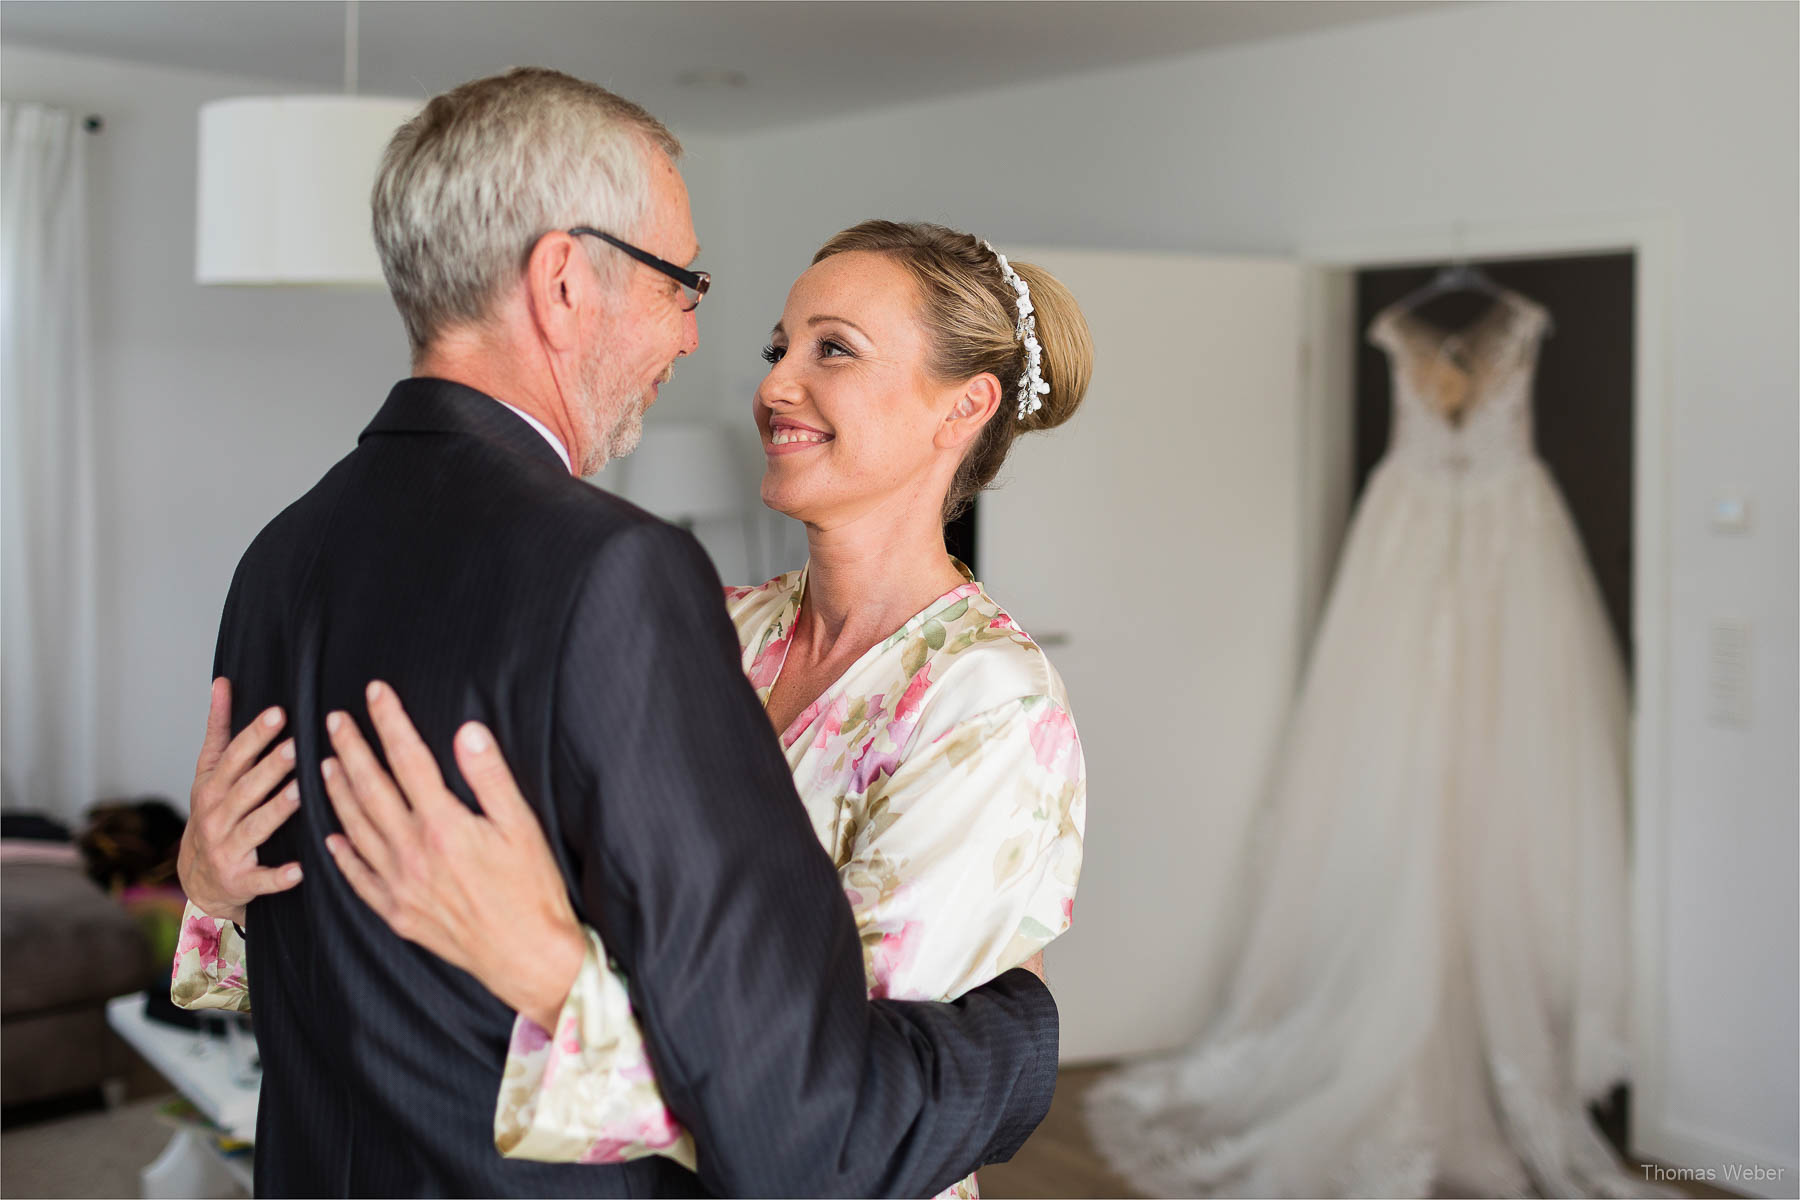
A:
x,y
467,187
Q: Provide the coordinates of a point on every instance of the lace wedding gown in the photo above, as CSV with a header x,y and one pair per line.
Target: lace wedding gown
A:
x,y
1432,979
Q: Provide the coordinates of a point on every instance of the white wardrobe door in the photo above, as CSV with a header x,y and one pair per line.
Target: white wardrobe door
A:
x,y
1153,546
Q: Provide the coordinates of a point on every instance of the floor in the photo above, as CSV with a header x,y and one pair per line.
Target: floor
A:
x,y
1059,1160
93,1154
1060,1163
100,1154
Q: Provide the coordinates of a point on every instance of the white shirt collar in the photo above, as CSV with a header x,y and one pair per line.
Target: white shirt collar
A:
x,y
555,442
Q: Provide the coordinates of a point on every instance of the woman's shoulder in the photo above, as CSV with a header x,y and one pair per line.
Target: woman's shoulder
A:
x,y
759,602
984,660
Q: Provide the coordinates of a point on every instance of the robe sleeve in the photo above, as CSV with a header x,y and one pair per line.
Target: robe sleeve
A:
x,y
965,859
209,964
586,1093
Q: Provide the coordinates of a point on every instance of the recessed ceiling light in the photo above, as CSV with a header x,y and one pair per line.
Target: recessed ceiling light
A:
x,y
713,80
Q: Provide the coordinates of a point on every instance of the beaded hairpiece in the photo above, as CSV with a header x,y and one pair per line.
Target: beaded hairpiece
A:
x,y
1031,385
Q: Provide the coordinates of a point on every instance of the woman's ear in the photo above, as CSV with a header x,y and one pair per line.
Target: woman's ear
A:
x,y
974,407
556,280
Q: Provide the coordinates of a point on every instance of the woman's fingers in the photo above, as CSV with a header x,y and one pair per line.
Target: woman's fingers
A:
x,y
364,881
247,747
415,766
218,727
266,881
347,804
266,818
485,768
376,793
256,784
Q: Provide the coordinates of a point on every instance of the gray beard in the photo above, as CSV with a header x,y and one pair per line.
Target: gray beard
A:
x,y
614,422
625,434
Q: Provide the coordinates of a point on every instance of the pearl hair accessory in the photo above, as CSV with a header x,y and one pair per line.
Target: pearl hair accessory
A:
x,y
1032,385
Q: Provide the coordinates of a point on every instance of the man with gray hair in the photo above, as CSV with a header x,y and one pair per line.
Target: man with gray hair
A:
x,y
536,237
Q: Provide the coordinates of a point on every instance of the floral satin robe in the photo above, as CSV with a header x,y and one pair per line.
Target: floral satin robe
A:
x,y
943,774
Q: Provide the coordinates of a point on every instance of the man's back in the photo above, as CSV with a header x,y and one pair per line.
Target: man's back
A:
x,y
445,564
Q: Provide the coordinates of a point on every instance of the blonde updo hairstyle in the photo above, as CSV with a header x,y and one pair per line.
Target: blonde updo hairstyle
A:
x,y
971,314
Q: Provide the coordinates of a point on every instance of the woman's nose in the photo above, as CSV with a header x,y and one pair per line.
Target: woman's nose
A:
x,y
778,388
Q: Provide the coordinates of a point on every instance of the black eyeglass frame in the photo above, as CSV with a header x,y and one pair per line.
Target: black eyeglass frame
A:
x,y
692,282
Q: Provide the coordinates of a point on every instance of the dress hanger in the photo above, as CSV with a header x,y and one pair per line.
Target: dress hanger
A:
x,y
1459,275
1456,276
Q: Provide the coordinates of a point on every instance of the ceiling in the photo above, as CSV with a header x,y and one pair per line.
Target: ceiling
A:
x,y
798,61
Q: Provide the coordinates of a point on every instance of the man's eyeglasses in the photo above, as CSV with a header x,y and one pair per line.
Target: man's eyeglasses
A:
x,y
693,283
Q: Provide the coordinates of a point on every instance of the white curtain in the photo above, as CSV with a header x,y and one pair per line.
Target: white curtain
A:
x,y
47,579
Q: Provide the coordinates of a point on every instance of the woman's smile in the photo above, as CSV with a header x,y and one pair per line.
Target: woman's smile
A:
x,y
787,436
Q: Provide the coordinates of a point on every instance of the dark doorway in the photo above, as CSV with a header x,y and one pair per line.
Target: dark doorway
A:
x,y
959,537
1582,405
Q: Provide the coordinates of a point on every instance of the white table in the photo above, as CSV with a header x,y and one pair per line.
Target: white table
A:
x,y
202,1070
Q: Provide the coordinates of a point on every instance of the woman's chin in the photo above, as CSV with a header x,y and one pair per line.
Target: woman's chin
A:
x,y
780,499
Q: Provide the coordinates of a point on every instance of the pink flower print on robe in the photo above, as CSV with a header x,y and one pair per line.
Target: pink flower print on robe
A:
x,y
892,956
1054,742
881,755
652,1131
199,933
528,1037
768,663
830,726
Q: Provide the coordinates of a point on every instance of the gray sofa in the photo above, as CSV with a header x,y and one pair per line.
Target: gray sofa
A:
x,y
67,949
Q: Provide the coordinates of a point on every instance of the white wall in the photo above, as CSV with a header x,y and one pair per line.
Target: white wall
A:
x,y
216,407
1492,115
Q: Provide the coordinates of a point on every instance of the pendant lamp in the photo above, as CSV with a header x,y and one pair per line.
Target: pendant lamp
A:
x,y
284,183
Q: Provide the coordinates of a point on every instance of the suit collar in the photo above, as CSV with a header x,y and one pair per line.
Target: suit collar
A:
x,y
425,405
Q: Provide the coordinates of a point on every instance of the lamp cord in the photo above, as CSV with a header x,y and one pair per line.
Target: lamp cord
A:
x,y
350,47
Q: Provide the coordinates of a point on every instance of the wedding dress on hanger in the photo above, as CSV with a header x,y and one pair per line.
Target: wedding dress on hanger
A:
x,y
1432,982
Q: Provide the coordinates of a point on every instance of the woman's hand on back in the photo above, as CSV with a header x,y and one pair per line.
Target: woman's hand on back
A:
x,y
233,807
478,889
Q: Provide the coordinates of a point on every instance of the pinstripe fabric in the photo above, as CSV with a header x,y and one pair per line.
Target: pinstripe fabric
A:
x,y
452,555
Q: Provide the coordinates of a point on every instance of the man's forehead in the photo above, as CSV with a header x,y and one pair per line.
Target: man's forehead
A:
x,y
673,216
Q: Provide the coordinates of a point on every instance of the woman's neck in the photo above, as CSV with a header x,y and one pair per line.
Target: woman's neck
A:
x,y
867,578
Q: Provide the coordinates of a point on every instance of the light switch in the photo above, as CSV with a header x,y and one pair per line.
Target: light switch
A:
x,y
1728,673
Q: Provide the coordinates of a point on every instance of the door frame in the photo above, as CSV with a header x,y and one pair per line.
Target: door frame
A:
x,y
1654,242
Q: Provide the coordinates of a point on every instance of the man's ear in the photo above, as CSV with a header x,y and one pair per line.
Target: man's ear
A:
x,y
557,279
974,407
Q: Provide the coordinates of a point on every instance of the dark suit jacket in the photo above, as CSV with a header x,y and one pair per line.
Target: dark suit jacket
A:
x,y
452,555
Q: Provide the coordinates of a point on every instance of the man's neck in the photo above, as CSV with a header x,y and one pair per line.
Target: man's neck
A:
x,y
489,370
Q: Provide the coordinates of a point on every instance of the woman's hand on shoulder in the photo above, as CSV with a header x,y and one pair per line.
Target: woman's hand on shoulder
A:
x,y
233,807
478,889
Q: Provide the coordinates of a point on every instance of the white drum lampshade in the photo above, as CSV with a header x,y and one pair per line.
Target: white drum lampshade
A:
x,y
284,188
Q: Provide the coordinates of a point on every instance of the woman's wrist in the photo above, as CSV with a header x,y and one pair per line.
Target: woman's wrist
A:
x,y
222,912
540,992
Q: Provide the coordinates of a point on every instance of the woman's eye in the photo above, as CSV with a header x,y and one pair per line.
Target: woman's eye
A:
x,y
773,354
831,349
